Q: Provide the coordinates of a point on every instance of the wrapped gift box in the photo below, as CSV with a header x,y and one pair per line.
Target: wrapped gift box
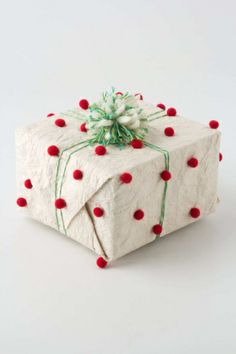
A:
x,y
116,190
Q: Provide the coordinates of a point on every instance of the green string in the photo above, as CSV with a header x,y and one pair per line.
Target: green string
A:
x,y
167,166
63,178
156,115
57,177
74,114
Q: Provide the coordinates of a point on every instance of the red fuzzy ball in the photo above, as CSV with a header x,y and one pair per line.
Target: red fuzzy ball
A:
x,y
77,174
165,175
119,93
84,104
193,162
137,144
98,212
83,128
100,150
171,112
139,95
161,106
126,177
139,214
28,184
53,150
21,202
169,131
101,262
220,156
60,122
195,213
213,124
157,229
60,203
50,115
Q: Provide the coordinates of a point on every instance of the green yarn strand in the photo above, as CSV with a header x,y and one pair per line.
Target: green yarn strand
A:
x,y
165,153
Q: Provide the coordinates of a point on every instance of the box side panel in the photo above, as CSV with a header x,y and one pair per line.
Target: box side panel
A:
x,y
188,188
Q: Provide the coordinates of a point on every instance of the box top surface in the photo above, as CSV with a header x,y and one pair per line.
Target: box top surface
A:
x,y
45,133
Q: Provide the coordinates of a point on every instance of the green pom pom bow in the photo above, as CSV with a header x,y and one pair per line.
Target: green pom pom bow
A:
x,y
116,119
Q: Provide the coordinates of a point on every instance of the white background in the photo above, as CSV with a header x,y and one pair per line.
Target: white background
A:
x,y
174,296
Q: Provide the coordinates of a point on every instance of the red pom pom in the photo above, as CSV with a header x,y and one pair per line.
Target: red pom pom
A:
x,y
60,122
213,124
100,150
169,131
137,144
139,95
161,106
195,213
193,162
84,104
139,214
119,93
53,150
101,262
77,174
157,229
83,128
165,175
21,202
126,177
98,212
60,203
220,156
171,112
28,184
50,114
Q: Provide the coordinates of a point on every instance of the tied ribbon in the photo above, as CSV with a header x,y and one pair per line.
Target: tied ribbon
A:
x,y
114,120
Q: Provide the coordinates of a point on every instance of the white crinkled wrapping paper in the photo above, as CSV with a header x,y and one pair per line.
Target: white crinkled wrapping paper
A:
x,y
117,232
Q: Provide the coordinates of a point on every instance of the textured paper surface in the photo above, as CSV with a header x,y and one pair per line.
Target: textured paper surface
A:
x,y
117,232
